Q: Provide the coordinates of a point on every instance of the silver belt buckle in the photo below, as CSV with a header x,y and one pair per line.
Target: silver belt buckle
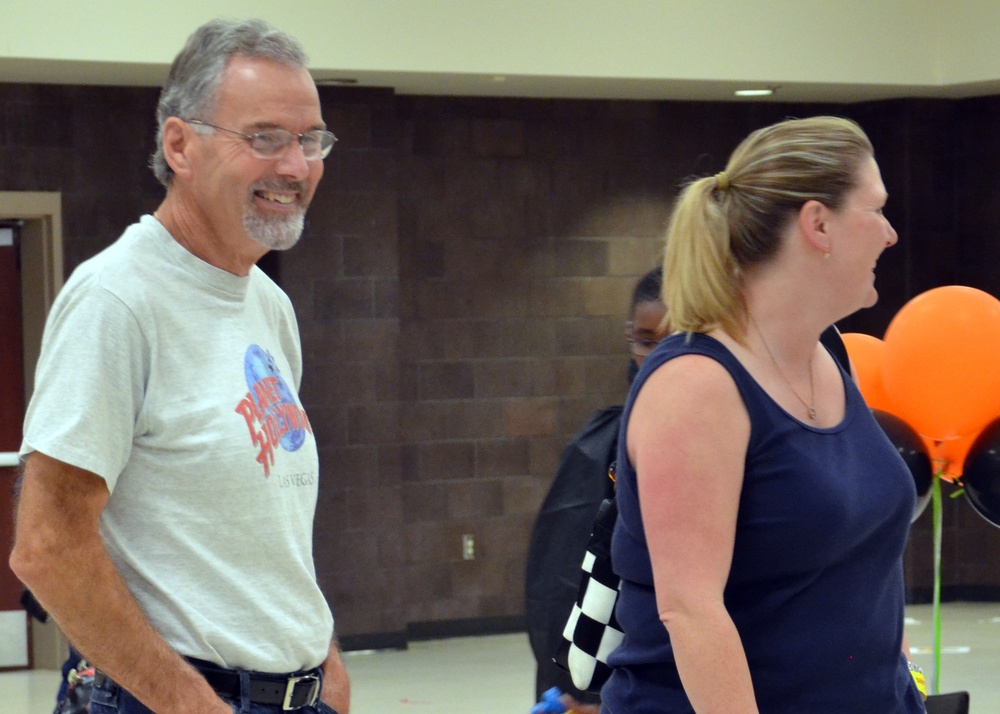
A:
x,y
290,691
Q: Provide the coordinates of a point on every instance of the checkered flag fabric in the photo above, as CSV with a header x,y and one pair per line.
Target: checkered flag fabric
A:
x,y
592,632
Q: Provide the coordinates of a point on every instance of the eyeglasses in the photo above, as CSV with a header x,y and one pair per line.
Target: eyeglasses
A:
x,y
272,143
640,347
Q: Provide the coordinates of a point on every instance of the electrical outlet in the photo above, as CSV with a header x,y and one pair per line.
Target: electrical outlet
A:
x,y
468,547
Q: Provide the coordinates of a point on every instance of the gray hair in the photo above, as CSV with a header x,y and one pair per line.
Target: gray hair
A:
x,y
195,76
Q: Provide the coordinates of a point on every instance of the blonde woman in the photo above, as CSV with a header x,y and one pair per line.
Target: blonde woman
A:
x,y
763,513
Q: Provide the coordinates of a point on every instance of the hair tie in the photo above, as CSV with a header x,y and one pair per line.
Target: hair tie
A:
x,y
722,181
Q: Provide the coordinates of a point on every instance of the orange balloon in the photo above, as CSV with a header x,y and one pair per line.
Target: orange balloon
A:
x,y
948,457
866,352
939,365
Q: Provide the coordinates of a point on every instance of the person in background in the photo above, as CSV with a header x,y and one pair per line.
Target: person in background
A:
x,y
762,511
170,473
562,528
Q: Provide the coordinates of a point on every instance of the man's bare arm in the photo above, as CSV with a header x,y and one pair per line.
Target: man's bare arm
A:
x,y
58,554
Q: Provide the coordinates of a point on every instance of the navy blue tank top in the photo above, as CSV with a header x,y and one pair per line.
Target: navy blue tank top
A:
x,y
816,585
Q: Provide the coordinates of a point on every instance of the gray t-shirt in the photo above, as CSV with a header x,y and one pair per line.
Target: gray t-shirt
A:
x,y
177,383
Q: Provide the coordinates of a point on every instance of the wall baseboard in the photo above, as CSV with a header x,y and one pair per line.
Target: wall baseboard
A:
x,y
954,593
440,630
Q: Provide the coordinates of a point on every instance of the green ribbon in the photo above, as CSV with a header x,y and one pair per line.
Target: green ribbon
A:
x,y
936,513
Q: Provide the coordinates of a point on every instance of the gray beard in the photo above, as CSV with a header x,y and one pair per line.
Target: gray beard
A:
x,y
274,233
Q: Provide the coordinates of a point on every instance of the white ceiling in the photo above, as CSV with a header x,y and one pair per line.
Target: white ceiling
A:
x,y
811,50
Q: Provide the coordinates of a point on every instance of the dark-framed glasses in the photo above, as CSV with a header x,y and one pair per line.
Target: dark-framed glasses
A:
x,y
272,143
639,346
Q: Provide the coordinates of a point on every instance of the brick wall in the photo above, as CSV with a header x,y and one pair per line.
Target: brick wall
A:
x,y
519,260
461,288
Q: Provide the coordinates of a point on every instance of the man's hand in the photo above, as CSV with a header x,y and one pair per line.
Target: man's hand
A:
x,y
336,685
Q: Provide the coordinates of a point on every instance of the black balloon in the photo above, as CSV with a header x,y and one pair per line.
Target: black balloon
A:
x,y
981,473
914,452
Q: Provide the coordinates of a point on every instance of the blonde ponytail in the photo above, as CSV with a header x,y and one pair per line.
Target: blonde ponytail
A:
x,y
698,265
724,225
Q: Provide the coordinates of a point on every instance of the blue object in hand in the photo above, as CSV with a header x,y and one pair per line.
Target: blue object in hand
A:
x,y
550,703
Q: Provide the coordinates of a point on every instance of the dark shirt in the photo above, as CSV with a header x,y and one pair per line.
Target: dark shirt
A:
x,y
816,584
559,539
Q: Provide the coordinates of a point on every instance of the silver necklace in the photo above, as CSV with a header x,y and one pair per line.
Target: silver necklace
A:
x,y
810,405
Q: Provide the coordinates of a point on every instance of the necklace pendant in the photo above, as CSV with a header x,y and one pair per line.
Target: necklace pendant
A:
x,y
812,413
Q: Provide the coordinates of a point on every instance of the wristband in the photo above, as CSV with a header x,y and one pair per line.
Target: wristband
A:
x,y
918,678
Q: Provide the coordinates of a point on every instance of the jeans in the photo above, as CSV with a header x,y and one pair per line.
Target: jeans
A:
x,y
109,698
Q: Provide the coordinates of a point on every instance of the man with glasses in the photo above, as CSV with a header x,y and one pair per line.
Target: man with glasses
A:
x,y
165,445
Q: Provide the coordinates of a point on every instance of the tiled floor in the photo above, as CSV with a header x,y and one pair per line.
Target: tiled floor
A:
x,y
970,650
495,675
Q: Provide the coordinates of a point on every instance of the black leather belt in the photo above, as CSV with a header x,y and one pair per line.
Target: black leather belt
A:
x,y
289,691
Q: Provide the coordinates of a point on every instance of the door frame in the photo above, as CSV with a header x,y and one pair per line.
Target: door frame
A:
x,y
41,245
41,264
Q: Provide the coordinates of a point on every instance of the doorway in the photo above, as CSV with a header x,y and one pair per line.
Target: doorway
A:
x,y
13,640
31,273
